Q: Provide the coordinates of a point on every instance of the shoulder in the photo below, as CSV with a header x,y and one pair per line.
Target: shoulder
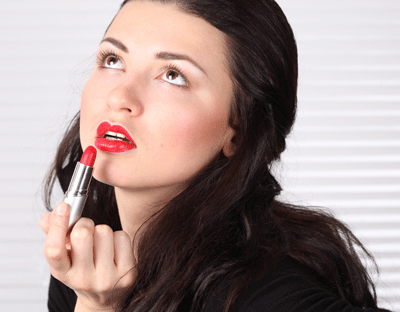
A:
x,y
289,286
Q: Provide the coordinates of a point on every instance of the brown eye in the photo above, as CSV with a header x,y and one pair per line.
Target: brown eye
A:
x,y
175,77
111,60
172,75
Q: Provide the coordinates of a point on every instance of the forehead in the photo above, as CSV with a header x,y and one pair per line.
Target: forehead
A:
x,y
147,25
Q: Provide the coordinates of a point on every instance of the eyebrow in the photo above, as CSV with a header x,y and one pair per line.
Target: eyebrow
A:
x,y
183,57
116,43
159,55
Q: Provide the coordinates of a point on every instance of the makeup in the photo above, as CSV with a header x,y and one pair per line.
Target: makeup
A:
x,y
113,138
78,188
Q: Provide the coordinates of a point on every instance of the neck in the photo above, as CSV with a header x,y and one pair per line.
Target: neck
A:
x,y
135,207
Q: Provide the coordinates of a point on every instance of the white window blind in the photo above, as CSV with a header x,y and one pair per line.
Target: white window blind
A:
x,y
47,50
344,152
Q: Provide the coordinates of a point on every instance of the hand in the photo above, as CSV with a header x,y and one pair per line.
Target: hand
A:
x,y
93,261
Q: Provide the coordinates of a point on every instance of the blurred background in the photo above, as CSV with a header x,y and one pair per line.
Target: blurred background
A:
x,y
344,152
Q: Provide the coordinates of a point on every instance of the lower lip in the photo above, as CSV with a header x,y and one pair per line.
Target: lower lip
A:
x,y
113,146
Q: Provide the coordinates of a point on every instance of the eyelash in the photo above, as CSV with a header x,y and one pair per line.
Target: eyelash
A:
x,y
103,55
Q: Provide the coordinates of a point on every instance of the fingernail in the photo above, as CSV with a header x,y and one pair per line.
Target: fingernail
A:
x,y
61,210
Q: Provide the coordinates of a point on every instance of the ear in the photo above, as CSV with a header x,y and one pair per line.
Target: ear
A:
x,y
229,147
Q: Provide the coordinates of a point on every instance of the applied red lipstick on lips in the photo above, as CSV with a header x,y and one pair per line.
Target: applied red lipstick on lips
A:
x,y
113,145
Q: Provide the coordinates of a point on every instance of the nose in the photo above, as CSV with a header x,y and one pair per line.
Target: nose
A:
x,y
123,98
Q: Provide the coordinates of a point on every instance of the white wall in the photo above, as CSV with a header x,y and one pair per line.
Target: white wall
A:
x,y
344,152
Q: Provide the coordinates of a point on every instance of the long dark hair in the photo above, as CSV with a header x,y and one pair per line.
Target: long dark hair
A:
x,y
227,228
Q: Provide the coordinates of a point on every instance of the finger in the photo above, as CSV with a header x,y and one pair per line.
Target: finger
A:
x,y
104,248
81,239
45,222
54,247
123,250
45,225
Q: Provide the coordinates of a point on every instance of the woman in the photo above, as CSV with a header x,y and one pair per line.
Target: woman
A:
x,y
207,91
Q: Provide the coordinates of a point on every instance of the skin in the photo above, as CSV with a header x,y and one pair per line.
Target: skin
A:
x,y
179,125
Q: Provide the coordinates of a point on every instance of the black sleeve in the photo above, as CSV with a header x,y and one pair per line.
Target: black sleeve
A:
x,y
61,298
292,288
287,288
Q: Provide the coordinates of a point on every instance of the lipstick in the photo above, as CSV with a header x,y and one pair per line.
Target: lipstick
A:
x,y
78,188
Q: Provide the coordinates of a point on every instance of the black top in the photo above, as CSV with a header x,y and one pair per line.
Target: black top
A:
x,y
289,287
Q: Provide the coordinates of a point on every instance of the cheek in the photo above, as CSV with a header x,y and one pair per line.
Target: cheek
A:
x,y
194,125
88,112
196,134
87,97
94,93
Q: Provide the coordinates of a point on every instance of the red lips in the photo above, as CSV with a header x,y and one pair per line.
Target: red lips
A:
x,y
106,143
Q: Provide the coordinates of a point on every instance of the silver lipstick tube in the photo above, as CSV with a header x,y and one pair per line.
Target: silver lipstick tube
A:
x,y
77,191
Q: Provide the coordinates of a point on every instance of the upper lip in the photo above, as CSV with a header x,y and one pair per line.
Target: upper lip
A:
x,y
105,127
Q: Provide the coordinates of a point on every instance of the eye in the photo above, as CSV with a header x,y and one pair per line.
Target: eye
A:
x,y
174,76
109,59
112,62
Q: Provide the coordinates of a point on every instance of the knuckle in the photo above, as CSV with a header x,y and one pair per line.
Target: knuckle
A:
x,y
100,284
126,279
103,286
83,284
103,230
53,252
86,222
122,237
81,232
80,280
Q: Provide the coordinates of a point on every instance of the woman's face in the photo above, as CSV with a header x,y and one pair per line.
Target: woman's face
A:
x,y
163,76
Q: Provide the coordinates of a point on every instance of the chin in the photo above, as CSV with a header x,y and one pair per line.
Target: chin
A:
x,y
102,181
111,180
104,178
